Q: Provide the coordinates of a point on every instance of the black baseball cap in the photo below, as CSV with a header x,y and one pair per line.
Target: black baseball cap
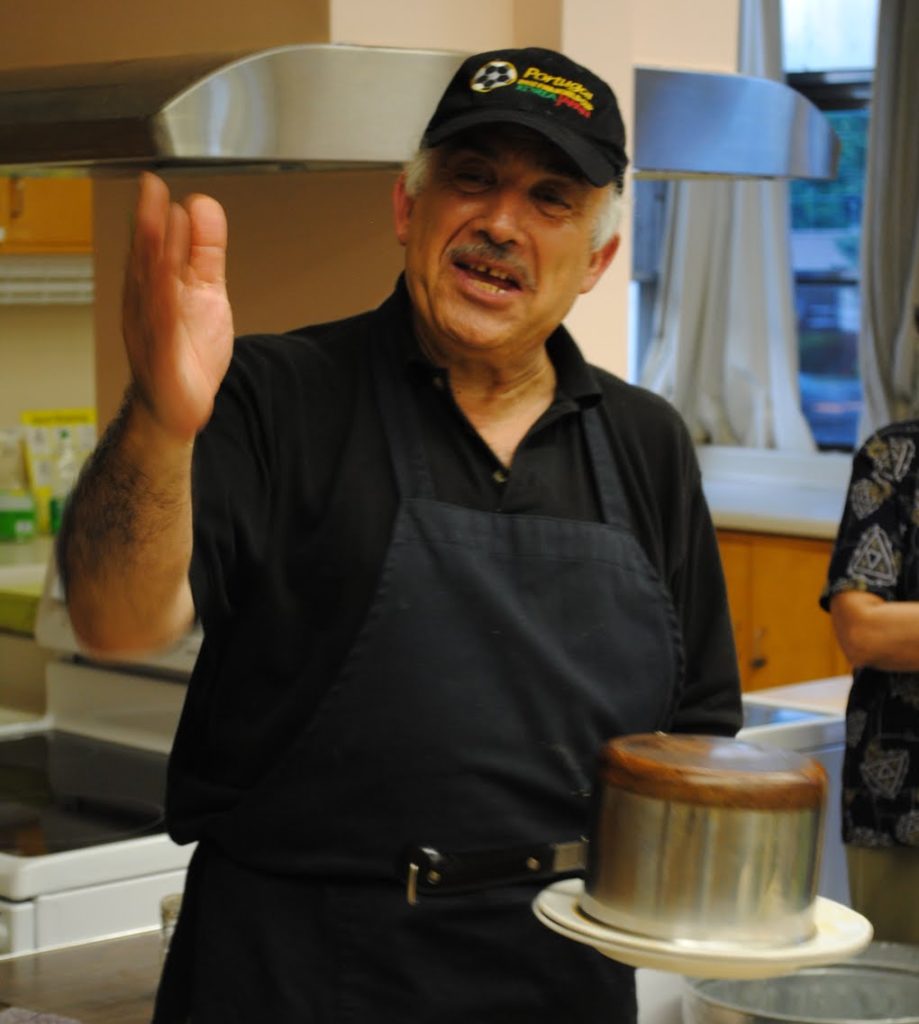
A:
x,y
542,90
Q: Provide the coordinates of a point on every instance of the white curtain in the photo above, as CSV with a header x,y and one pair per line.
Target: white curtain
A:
x,y
724,347
889,340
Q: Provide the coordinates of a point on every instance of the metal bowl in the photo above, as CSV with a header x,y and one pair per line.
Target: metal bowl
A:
x,y
881,985
706,839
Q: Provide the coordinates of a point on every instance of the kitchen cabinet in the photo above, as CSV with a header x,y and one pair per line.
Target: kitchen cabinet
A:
x,y
773,583
45,215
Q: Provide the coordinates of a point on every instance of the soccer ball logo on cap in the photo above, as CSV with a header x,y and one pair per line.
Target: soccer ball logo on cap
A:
x,y
493,75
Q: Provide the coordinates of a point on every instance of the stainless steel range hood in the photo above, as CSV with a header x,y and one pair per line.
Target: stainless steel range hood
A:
x,y
327,106
735,126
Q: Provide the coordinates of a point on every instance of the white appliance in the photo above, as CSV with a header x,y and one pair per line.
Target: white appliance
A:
x,y
83,850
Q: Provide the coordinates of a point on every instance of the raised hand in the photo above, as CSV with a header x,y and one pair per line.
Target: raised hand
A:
x,y
177,321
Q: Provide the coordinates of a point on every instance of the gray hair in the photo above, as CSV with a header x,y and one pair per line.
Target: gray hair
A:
x,y
609,214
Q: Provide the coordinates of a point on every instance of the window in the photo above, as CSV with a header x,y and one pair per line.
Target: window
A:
x,y
828,54
825,242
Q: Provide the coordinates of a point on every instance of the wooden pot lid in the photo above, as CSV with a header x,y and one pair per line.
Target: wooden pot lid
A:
x,y
713,771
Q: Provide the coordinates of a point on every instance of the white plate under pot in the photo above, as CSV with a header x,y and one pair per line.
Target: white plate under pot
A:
x,y
840,933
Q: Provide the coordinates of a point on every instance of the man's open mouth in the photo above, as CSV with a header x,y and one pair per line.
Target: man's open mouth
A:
x,y
493,279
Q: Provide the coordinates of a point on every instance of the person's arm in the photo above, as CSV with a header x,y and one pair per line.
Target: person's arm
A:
x,y
126,542
876,633
687,557
711,700
871,603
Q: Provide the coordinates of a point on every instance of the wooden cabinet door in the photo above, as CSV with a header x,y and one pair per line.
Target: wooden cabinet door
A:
x,y
736,561
41,215
782,634
793,638
4,210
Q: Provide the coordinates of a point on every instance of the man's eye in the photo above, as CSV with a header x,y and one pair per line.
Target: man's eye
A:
x,y
552,199
470,180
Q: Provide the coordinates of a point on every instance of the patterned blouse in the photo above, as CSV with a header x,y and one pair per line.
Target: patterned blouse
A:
x,y
877,550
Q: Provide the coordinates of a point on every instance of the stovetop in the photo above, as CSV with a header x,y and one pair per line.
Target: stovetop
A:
x,y
60,791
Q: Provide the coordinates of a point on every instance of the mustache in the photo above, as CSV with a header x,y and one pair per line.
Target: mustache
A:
x,y
491,252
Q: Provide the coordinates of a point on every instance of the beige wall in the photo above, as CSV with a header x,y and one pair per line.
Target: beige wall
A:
x,y
302,248
598,34
612,37
46,359
701,35
444,24
423,23
305,247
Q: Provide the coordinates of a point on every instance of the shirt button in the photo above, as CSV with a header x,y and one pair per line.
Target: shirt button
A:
x,y
499,476
438,382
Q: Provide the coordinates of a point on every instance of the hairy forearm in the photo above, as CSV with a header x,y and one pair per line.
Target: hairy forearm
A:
x,y
877,633
125,544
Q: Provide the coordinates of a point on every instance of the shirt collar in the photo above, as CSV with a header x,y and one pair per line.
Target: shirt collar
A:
x,y
576,378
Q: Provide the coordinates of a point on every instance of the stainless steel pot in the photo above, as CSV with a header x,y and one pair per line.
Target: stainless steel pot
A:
x,y
706,839
879,985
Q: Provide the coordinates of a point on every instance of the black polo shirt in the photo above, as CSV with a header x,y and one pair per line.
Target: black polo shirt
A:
x,y
294,503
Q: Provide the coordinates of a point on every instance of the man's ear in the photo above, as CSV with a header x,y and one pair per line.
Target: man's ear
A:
x,y
599,261
402,206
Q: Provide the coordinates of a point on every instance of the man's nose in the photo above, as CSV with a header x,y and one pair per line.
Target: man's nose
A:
x,y
502,217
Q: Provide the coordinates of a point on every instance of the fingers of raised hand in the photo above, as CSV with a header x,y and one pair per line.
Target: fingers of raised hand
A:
x,y
186,241
151,217
207,239
177,322
144,271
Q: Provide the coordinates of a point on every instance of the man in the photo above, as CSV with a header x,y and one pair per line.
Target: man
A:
x,y
438,560
872,594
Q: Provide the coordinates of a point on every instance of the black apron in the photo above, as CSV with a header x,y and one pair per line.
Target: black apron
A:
x,y
499,653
